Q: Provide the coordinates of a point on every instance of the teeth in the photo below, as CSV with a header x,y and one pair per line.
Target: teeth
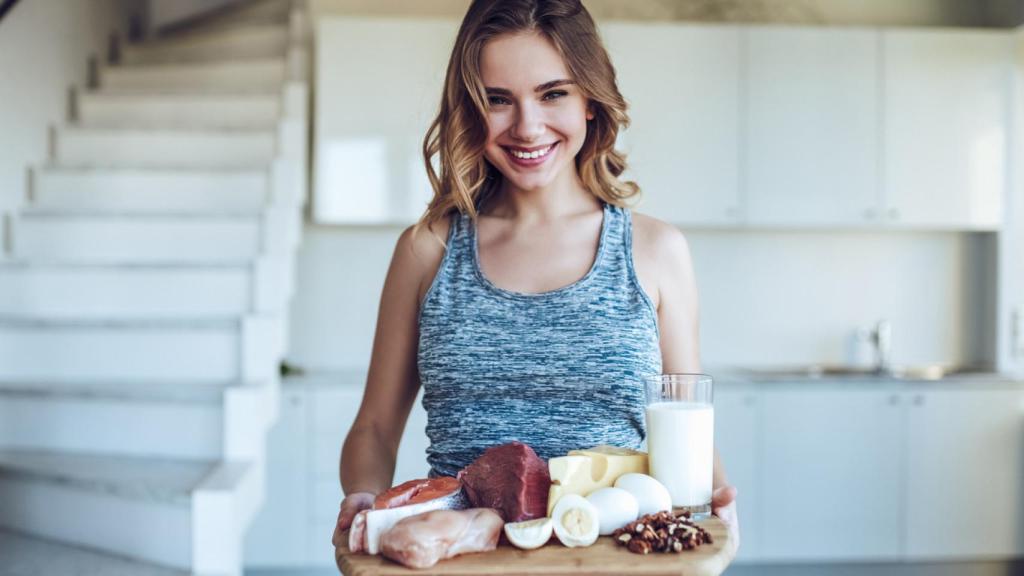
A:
x,y
530,155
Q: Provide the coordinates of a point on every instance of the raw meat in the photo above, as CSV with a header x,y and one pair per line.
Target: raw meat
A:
x,y
511,479
402,501
421,541
417,491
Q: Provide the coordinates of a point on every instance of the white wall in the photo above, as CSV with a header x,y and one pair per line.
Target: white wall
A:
x,y
766,298
44,50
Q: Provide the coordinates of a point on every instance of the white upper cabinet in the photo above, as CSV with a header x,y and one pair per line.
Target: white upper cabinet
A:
x,y
947,98
682,86
378,87
812,134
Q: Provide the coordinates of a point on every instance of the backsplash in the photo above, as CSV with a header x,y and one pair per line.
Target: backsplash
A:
x,y
767,298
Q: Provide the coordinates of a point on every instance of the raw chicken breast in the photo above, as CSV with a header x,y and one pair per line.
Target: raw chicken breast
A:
x,y
408,499
421,541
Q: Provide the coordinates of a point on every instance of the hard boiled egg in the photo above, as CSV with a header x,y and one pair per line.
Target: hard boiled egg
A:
x,y
575,521
651,495
615,508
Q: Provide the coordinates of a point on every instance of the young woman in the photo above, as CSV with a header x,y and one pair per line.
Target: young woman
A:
x,y
529,302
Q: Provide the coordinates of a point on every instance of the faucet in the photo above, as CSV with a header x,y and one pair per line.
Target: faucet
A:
x,y
881,337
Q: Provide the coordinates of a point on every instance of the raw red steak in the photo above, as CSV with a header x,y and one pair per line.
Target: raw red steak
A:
x,y
510,478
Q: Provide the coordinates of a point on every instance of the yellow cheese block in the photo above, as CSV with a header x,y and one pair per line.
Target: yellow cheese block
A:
x,y
583,471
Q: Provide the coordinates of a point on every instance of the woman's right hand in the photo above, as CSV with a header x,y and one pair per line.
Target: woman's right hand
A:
x,y
350,506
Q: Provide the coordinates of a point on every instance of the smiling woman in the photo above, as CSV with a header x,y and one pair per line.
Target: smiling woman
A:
x,y
528,302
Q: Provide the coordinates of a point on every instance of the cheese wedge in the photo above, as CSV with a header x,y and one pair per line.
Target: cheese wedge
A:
x,y
583,471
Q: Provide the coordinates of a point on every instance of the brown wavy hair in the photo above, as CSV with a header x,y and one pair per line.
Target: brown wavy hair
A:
x,y
463,178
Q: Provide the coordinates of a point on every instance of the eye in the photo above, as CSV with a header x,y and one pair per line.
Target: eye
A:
x,y
497,100
555,94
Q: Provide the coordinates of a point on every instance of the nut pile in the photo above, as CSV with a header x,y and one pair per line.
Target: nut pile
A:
x,y
661,532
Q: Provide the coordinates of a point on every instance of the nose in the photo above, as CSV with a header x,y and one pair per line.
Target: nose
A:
x,y
529,124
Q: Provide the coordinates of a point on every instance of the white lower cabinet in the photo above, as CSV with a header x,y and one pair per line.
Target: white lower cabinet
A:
x,y
854,471
831,482
826,472
737,416
965,473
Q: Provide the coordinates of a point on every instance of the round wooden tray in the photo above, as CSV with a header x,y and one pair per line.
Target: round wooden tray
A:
x,y
603,558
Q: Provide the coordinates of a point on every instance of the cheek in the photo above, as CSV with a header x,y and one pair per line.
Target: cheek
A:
x,y
497,124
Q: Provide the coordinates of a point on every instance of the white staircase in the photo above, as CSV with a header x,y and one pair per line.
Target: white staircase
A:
x,y
144,301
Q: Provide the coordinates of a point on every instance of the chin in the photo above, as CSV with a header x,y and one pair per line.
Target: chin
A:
x,y
529,184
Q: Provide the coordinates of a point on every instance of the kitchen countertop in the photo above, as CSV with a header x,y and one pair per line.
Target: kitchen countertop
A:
x,y
725,376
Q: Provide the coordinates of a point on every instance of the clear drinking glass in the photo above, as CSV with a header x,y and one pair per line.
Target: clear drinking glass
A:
x,y
681,439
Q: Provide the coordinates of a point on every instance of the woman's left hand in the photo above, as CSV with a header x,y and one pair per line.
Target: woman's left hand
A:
x,y
723,505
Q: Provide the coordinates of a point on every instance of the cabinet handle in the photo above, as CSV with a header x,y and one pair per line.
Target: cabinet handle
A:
x,y
732,211
869,214
894,214
918,400
749,400
295,401
894,400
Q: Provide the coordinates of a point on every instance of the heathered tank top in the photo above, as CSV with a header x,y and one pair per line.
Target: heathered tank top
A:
x,y
558,370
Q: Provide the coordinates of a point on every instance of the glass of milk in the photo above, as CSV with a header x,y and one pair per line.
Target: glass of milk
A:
x,y
681,439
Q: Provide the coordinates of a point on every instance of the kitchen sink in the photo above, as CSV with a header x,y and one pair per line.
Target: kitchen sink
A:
x,y
824,371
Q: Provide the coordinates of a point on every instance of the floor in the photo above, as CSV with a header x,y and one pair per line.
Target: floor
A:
x,y
26,556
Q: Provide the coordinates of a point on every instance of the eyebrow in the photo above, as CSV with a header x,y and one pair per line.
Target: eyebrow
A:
x,y
539,88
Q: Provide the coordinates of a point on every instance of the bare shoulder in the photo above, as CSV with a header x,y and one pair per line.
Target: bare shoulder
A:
x,y
661,255
657,238
419,252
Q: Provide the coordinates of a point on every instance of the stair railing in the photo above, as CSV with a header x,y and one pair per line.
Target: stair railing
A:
x,y
5,7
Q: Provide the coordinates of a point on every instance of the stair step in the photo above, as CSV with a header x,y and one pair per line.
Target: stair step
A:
x,y
95,147
100,109
137,239
179,513
157,191
257,75
168,420
253,12
124,292
125,351
27,556
254,41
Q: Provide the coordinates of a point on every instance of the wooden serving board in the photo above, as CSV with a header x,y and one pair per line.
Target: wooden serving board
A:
x,y
605,557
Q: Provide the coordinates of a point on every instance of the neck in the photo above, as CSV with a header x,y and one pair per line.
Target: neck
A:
x,y
564,197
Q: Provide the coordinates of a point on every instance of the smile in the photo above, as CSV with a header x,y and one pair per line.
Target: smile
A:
x,y
530,157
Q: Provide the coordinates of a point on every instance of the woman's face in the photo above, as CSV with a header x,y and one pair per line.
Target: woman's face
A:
x,y
537,116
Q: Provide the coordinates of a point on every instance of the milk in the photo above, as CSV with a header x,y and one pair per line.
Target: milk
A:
x,y
680,448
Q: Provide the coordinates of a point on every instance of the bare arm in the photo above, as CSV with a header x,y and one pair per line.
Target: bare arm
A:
x,y
679,323
368,456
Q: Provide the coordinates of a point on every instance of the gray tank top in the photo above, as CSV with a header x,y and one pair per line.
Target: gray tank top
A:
x,y
558,370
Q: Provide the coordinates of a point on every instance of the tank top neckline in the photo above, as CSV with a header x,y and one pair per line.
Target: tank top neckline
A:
x,y
598,258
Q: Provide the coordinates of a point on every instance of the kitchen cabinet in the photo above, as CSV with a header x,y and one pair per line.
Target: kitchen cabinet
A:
x,y
946,101
682,84
812,130
831,476
737,417
965,473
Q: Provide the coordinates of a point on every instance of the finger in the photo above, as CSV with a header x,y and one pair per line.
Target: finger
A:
x,y
723,497
345,517
337,539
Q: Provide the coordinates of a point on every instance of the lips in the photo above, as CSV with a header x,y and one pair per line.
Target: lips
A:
x,y
529,157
